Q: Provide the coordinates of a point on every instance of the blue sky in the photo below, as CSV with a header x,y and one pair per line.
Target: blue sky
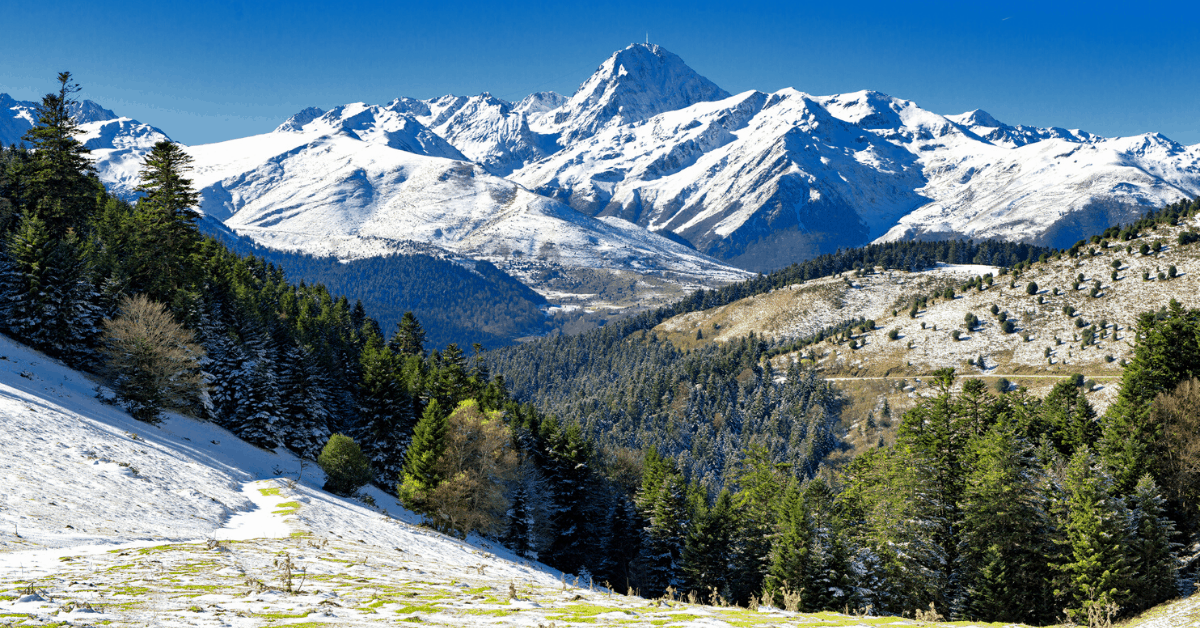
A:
x,y
206,72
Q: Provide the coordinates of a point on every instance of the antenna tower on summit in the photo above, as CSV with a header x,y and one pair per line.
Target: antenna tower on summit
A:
x,y
647,38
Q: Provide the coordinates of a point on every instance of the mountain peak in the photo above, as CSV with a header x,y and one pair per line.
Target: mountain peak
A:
x,y
88,111
634,84
298,120
978,117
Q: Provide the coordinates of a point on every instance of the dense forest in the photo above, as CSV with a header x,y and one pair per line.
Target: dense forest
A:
x,y
651,469
464,302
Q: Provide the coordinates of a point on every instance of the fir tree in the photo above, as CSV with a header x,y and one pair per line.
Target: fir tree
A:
x,y
386,412
60,186
409,338
1152,553
706,550
1094,569
420,476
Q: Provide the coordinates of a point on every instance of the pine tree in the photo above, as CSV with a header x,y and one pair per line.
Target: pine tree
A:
x,y
663,502
1153,554
1004,531
60,186
707,548
163,223
48,299
1070,417
792,570
568,474
386,411
409,338
1166,352
420,462
1094,569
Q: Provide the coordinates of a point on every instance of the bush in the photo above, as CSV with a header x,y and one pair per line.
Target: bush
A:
x,y
1008,327
1172,272
1068,310
1077,380
1031,289
994,309
955,334
1002,385
346,468
893,334
1144,249
1079,323
1116,264
1145,275
948,293
1114,275
153,359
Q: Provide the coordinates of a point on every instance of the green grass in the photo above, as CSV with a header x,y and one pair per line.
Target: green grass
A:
x,y
287,508
269,491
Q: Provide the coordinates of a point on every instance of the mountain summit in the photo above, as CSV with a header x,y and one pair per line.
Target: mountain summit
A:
x,y
632,85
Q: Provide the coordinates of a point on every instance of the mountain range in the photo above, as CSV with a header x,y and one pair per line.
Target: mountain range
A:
x,y
649,170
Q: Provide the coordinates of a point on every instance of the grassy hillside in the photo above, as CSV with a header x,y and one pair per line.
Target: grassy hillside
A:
x,y
881,372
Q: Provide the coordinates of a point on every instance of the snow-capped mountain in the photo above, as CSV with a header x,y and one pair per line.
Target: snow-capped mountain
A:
x,y
761,180
650,146
363,180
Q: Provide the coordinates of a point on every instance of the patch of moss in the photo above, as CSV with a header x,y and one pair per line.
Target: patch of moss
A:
x,y
287,508
269,491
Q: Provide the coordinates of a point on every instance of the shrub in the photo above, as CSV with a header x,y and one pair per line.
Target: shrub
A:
x,y
1031,289
1077,380
1008,327
1095,292
955,335
893,334
994,309
1172,272
1116,264
1188,237
346,468
1055,292
1079,323
153,359
1002,385
1068,310
1114,275
1003,316
1144,249
948,293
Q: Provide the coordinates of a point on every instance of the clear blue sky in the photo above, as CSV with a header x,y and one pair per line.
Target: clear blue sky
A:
x,y
206,72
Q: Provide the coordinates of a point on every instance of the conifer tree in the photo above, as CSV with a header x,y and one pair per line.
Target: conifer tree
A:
x,y
792,569
420,462
386,412
1004,532
163,223
60,186
1166,352
1094,569
1153,552
706,550
663,502
409,338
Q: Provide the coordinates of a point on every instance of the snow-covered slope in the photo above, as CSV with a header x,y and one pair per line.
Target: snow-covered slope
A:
x,y
107,520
